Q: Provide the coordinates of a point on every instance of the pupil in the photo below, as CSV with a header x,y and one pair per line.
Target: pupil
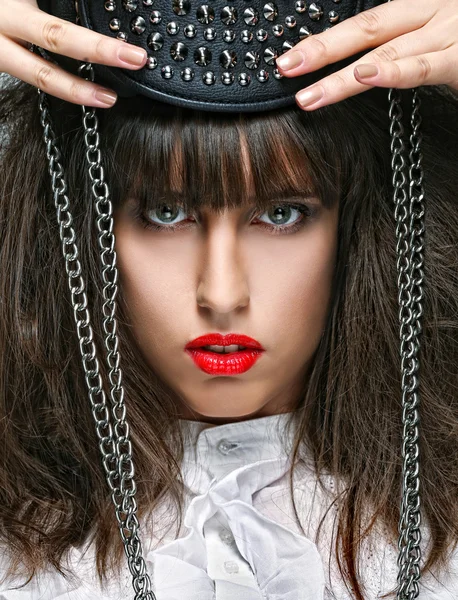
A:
x,y
168,213
281,214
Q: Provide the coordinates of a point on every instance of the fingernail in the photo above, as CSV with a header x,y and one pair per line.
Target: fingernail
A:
x,y
105,97
366,71
289,61
132,56
307,97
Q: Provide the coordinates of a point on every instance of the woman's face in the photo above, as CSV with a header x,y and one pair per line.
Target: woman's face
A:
x,y
264,275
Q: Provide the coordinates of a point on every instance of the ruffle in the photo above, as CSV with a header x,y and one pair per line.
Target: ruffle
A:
x,y
233,551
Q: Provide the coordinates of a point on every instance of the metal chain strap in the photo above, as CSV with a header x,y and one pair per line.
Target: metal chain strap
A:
x,y
409,216
114,442
124,495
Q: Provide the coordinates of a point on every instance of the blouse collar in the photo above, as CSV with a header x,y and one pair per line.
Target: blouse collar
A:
x,y
214,451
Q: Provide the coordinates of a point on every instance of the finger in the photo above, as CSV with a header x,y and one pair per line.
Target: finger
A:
x,y
50,78
368,29
426,69
343,83
68,39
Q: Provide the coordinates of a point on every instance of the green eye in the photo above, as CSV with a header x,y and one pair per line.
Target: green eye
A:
x,y
166,214
281,215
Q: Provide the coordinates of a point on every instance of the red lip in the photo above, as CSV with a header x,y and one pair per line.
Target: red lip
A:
x,y
212,339
233,363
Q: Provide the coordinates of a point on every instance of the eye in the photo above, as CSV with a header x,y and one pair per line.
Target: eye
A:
x,y
282,214
166,214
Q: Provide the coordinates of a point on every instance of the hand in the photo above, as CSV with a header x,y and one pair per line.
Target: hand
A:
x,y
21,22
415,42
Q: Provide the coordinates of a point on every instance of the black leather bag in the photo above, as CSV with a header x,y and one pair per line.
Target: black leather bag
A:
x,y
218,56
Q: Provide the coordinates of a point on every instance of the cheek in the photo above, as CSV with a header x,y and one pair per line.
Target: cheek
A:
x,y
156,286
295,281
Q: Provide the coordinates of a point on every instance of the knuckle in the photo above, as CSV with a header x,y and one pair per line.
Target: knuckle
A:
x,y
78,93
386,54
424,67
339,82
53,33
318,47
101,49
369,23
43,76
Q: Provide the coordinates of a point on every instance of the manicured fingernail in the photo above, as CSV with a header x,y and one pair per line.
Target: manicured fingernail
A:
x,y
290,60
132,56
105,97
366,71
310,96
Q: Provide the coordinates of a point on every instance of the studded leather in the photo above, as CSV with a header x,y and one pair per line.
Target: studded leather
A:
x,y
216,55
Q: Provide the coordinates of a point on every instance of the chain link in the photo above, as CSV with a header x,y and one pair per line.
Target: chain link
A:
x,y
409,216
114,440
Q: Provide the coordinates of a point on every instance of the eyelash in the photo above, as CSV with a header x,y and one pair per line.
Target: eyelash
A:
x,y
306,213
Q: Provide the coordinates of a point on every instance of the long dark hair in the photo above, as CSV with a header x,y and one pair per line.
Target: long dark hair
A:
x,y
52,489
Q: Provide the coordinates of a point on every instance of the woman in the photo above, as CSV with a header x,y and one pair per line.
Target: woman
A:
x,y
276,226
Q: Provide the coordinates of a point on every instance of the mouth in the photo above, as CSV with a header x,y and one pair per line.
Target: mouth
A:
x,y
231,354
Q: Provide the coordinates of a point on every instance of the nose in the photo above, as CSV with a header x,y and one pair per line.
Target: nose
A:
x,y
223,285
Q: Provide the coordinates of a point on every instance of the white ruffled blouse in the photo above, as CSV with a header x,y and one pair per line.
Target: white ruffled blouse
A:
x,y
240,539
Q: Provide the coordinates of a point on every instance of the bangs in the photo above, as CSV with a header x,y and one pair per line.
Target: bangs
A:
x,y
215,160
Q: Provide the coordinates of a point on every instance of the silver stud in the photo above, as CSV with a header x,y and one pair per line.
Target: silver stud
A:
x,y
333,16
300,6
172,28
228,35
209,34
261,35
130,5
167,72
278,30
205,14
315,11
155,41
262,75
151,62
304,32
187,74
229,15
181,7
250,16
115,24
155,17
246,36
138,25
270,11
244,79
270,54
178,51
202,56
290,22
276,73
110,5
252,59
209,78
190,31
148,2
227,78
228,59
337,1
287,45
122,36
